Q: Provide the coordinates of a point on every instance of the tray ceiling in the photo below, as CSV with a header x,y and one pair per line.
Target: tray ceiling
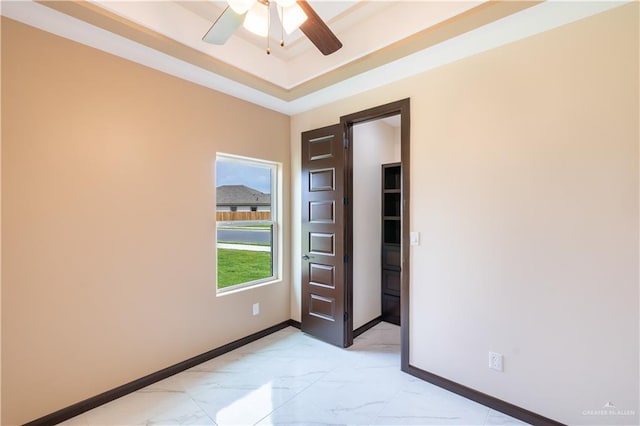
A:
x,y
382,41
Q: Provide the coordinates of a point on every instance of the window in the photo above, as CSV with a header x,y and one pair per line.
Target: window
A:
x,y
246,222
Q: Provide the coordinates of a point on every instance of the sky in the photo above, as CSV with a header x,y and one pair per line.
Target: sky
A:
x,y
232,173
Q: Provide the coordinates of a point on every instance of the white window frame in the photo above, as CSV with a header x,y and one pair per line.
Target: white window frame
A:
x,y
276,220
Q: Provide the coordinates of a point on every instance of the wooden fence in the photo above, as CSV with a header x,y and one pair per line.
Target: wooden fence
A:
x,y
231,216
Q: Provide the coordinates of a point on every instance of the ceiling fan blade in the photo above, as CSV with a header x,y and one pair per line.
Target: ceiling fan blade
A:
x,y
224,27
317,31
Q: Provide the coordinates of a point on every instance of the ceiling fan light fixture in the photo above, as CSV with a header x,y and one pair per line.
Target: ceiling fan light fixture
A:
x,y
257,19
298,14
291,17
241,6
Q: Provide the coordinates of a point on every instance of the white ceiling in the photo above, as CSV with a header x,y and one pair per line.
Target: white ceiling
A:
x,y
383,41
363,27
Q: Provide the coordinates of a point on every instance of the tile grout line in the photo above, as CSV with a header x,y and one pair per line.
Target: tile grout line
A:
x,y
486,417
296,394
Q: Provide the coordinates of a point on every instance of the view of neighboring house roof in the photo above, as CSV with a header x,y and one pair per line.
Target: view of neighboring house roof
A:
x,y
240,195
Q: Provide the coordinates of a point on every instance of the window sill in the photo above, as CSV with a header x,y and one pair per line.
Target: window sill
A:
x,y
225,292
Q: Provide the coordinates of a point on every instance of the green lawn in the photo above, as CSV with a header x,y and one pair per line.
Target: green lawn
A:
x,y
240,266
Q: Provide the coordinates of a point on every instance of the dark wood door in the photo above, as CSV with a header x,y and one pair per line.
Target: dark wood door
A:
x,y
323,273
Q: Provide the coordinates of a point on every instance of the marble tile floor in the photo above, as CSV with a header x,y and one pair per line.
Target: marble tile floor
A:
x,y
289,378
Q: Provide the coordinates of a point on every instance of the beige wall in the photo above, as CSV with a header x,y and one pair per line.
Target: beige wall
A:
x,y
374,144
108,220
524,186
524,177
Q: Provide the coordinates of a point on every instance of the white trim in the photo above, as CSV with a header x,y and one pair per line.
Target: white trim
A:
x,y
276,218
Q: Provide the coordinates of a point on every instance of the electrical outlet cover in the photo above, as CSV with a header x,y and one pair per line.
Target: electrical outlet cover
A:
x,y
495,361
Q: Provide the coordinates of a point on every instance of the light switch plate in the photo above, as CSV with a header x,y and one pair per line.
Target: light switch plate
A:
x,y
414,238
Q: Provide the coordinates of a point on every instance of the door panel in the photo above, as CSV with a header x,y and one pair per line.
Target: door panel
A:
x,y
321,243
322,211
323,289
322,180
322,275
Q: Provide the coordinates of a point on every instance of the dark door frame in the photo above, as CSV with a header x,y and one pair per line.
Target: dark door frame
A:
x,y
401,107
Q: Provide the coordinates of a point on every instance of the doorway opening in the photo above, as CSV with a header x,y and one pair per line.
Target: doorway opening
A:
x,y
401,110
377,223
328,226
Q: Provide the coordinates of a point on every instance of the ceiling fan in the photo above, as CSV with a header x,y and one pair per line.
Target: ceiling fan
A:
x,y
254,15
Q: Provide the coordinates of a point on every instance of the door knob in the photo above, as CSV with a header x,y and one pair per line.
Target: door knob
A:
x,y
305,257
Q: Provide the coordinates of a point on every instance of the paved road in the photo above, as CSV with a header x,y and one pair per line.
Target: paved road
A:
x,y
248,236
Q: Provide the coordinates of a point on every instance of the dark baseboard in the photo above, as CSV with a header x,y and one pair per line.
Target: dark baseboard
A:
x,y
294,323
358,331
110,395
482,398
